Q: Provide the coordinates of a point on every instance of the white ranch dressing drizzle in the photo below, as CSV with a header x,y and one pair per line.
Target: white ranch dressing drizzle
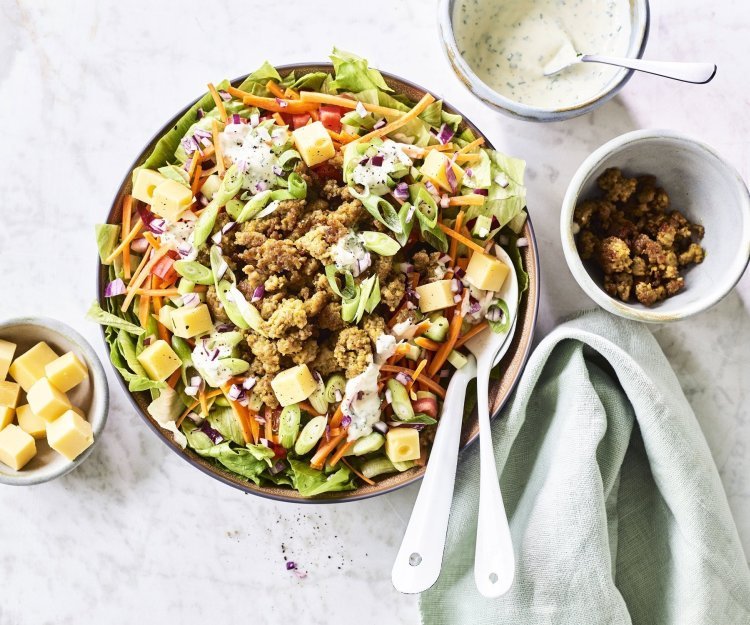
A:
x,y
508,42
249,148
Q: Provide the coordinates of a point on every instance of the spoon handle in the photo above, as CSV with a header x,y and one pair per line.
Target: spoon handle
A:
x,y
494,562
420,557
698,73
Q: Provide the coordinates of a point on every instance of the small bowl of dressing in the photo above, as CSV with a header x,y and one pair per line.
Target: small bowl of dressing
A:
x,y
499,48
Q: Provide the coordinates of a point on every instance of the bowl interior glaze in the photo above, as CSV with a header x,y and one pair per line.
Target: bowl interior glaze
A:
x,y
500,390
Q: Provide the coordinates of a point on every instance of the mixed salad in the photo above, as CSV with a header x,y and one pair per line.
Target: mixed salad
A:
x,y
298,267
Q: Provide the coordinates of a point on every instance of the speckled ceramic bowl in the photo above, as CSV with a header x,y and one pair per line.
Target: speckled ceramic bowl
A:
x,y
91,396
512,363
640,19
701,184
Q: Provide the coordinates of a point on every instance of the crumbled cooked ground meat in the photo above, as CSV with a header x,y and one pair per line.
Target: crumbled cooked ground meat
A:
x,y
392,292
215,306
353,351
638,243
374,325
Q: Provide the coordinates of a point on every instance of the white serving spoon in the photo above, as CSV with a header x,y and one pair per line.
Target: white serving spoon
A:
x,y
419,559
697,73
494,562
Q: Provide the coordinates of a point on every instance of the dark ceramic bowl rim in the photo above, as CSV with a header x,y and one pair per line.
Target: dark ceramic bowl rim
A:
x,y
531,298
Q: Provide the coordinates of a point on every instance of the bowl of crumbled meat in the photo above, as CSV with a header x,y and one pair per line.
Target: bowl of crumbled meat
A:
x,y
656,226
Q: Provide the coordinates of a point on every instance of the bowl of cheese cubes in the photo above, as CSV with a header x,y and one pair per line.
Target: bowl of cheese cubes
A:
x,y
53,400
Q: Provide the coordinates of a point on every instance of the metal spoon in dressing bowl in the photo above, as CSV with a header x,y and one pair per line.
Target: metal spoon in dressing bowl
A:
x,y
697,73
494,561
420,557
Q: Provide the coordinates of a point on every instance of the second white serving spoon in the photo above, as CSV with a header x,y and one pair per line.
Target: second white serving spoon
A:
x,y
696,73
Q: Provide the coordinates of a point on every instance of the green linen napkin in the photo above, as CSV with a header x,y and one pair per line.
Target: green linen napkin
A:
x,y
616,508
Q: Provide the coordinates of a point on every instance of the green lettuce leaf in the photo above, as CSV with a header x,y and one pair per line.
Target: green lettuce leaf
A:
x,y
505,200
102,317
353,74
310,482
107,236
312,81
165,409
224,422
249,462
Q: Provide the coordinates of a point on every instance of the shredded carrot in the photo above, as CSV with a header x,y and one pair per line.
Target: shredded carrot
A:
x,y
336,418
254,425
420,106
325,448
152,240
194,162
402,350
241,414
423,380
480,327
275,89
415,375
454,242
308,407
427,343
442,354
422,327
279,119
472,199
195,187
144,308
358,474
163,333
341,137
467,158
420,152
141,274
125,242
277,105
193,406
339,454
269,426
470,146
461,238
348,103
219,102
127,209
291,94
172,379
217,147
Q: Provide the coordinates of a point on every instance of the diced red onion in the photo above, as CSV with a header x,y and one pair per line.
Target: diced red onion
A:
x,y
222,269
415,426
184,249
446,134
290,566
495,223
214,435
459,273
469,172
258,294
444,201
380,426
195,417
432,189
388,396
346,421
484,192
148,218
249,383
337,394
410,212
158,226
214,355
379,124
405,267
278,170
450,176
225,96
401,192
377,160
196,380
457,298
445,259
474,306
404,378
228,226
190,300
201,113
411,306
201,134
203,200
361,110
191,391
264,441
254,119
116,287
522,242
502,180
282,103
261,186
216,237
189,144
188,164
235,392
456,286
236,119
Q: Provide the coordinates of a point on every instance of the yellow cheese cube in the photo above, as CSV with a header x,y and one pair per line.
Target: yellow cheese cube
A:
x,y
434,167
314,144
30,422
9,392
190,322
46,401
70,435
16,447
293,385
6,416
171,199
145,183
78,411
486,272
66,372
435,295
159,360
402,444
7,349
29,367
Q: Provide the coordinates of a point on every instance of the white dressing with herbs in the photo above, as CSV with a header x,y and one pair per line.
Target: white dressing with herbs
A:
x,y
372,173
349,254
508,43
250,149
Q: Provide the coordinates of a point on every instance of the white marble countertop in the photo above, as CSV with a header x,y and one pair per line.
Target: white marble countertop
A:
x,y
135,535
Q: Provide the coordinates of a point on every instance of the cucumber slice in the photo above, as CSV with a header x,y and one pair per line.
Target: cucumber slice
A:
x,y
185,286
254,402
403,466
377,466
310,435
482,226
289,425
318,397
336,382
367,444
414,352
438,329
457,359
400,401
194,271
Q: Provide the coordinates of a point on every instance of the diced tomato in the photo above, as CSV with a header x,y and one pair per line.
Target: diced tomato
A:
x,y
330,117
164,269
326,171
278,451
426,405
300,120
